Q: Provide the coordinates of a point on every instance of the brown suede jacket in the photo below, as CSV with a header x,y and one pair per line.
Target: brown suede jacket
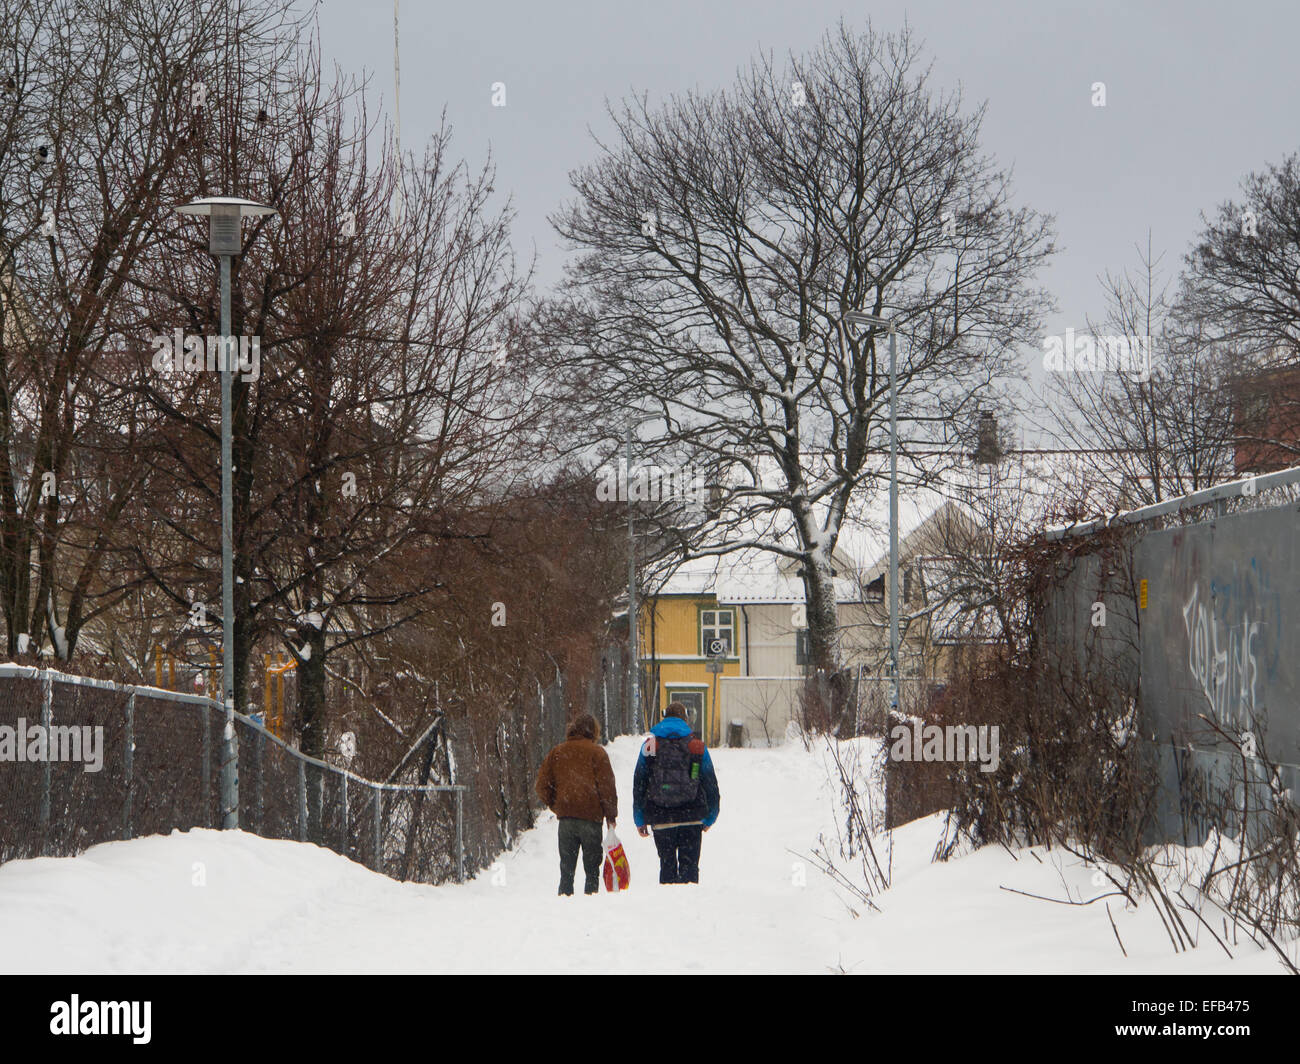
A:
x,y
577,780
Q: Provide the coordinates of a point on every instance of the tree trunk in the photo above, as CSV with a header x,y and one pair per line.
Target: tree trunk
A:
x,y
311,692
825,699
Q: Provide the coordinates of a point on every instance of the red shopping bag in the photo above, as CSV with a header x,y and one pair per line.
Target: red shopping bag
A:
x,y
617,872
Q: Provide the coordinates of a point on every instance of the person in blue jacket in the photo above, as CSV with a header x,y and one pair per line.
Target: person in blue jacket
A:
x,y
675,793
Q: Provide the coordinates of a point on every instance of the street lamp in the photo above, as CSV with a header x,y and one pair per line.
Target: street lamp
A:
x,y
634,669
858,317
224,214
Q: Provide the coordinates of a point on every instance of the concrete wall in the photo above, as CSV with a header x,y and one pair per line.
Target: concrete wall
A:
x,y
1221,629
764,705
1091,616
1221,640
1218,637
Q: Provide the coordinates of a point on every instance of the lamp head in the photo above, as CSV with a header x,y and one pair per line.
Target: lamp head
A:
x,y
224,214
859,317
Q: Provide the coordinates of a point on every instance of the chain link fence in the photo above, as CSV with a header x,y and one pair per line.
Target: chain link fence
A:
x,y
501,753
147,761
85,761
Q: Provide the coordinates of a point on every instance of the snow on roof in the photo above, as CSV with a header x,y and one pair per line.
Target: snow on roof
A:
x,y
747,576
1032,484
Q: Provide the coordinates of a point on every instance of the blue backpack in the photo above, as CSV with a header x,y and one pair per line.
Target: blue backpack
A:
x,y
674,772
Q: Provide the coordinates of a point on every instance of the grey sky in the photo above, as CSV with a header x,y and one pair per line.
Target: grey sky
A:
x,y
1198,94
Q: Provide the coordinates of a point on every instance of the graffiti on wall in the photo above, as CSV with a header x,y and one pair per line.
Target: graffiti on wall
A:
x,y
1232,642
1222,661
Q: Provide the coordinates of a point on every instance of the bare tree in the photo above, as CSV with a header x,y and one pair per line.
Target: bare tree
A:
x,y
95,102
722,240
1243,282
381,406
1166,432
397,392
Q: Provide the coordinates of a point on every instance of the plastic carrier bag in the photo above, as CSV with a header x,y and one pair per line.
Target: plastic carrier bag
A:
x,y
618,874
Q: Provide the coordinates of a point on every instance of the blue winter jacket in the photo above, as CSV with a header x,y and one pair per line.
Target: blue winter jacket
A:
x,y
673,728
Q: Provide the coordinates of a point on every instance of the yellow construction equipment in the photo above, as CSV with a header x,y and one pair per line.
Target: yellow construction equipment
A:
x,y
273,692
159,654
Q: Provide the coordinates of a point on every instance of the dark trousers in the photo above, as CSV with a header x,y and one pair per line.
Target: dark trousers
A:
x,y
578,834
679,853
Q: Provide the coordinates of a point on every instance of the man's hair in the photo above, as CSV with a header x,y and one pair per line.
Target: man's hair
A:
x,y
583,726
675,709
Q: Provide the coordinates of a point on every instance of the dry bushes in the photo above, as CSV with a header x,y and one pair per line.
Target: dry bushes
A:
x,y
1078,772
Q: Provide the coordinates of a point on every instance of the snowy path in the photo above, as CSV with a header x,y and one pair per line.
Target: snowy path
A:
x,y
270,906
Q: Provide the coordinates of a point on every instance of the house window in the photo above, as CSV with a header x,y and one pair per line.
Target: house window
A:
x,y
875,591
907,584
801,646
717,624
1254,412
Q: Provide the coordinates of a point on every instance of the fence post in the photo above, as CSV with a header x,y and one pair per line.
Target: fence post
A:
x,y
261,773
344,849
229,774
130,765
460,836
858,722
207,762
47,715
302,800
604,702
378,826
625,699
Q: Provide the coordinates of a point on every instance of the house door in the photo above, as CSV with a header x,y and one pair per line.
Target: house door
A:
x,y
693,700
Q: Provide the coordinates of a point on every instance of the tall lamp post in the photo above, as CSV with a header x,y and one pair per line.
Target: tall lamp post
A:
x,y
634,679
634,669
224,214
858,317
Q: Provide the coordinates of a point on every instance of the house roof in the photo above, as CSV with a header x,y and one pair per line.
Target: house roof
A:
x,y
747,576
1032,484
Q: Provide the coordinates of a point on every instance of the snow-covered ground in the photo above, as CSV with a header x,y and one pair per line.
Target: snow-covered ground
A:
x,y
761,906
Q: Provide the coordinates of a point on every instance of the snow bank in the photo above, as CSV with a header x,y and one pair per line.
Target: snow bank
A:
x,y
210,901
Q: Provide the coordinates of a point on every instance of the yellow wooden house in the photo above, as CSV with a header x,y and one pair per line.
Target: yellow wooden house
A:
x,y
743,613
722,635
678,632
749,604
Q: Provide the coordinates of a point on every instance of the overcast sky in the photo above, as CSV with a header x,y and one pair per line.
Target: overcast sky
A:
x,y
1198,94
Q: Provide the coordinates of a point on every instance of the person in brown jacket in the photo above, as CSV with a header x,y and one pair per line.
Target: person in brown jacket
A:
x,y
576,782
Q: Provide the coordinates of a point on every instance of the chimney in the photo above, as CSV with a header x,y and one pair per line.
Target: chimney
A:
x,y
988,451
